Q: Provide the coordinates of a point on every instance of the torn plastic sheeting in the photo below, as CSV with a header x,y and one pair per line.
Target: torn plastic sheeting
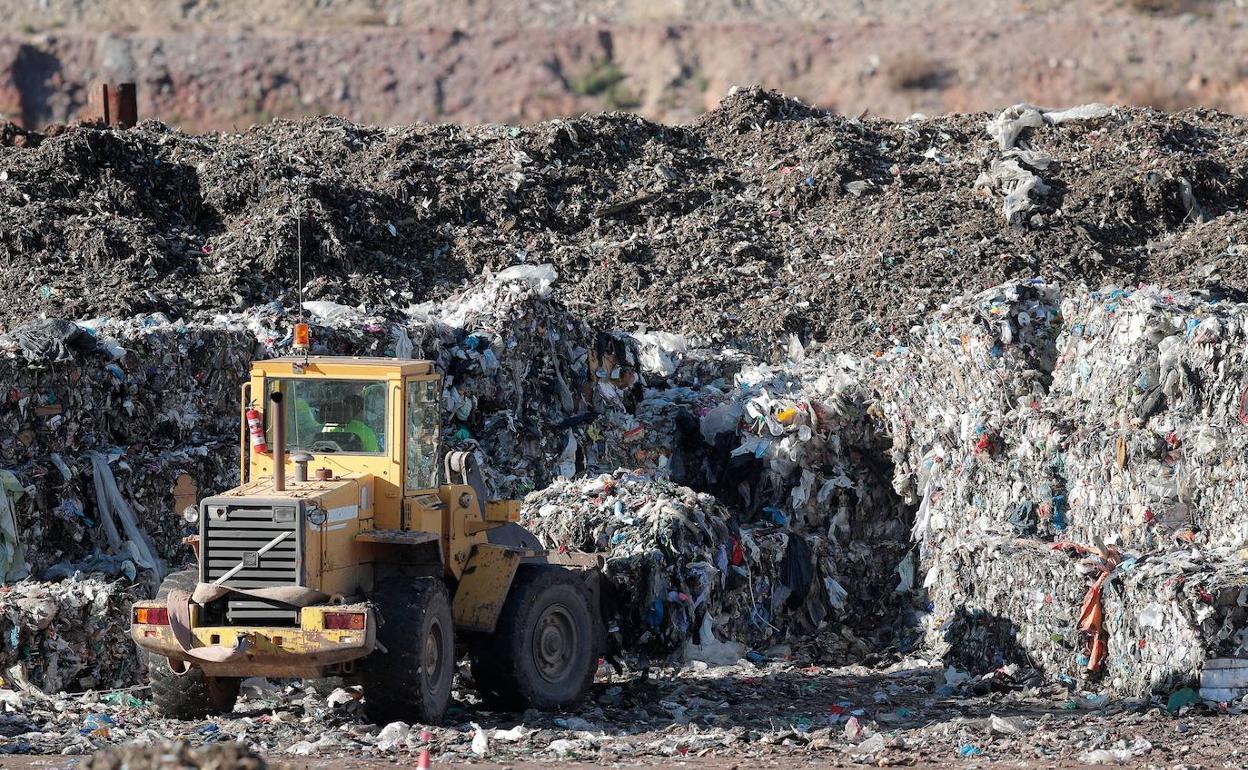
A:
x,y
112,504
1005,175
660,353
1012,121
13,564
1016,184
332,312
50,340
539,276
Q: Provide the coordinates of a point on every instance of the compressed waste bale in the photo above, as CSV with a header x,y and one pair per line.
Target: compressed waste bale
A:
x,y
794,444
536,391
1158,380
997,599
165,391
70,635
1170,613
683,568
963,405
145,381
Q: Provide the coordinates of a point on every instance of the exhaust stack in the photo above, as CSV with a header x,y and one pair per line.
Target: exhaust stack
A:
x,y
301,460
279,443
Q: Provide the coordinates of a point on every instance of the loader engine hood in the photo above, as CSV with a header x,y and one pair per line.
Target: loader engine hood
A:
x,y
255,537
317,492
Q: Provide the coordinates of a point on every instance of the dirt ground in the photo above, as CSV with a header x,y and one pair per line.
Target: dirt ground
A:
x,y
779,714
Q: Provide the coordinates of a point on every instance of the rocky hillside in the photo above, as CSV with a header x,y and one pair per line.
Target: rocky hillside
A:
x,y
216,66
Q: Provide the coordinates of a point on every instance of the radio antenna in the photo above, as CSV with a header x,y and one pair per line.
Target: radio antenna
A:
x,y
299,255
302,341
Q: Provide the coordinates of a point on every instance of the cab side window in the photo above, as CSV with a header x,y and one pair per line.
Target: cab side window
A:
x,y
421,463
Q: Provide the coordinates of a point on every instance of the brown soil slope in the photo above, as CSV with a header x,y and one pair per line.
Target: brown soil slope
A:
x,y
765,217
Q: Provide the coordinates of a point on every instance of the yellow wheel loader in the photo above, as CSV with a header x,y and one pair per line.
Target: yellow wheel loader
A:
x,y
354,548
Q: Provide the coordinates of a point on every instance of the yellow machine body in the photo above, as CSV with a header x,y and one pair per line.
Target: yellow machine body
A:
x,y
378,508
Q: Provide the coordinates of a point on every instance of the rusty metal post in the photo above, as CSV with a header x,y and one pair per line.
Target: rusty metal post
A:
x,y
123,105
119,104
100,98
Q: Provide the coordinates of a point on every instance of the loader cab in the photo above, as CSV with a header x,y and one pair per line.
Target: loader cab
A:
x,y
357,417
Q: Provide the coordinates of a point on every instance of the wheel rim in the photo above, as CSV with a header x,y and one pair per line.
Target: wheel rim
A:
x,y
554,643
433,653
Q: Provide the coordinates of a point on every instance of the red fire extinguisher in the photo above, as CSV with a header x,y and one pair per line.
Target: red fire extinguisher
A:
x,y
255,425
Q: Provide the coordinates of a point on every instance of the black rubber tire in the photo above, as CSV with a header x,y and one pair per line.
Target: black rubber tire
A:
x,y
546,604
189,695
415,626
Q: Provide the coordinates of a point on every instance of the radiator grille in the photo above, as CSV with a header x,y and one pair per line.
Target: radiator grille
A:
x,y
231,550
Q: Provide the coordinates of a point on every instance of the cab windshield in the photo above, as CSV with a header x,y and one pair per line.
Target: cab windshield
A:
x,y
333,416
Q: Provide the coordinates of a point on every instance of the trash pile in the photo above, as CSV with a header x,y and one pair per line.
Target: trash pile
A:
x,y
689,577
734,356
70,635
765,218
801,532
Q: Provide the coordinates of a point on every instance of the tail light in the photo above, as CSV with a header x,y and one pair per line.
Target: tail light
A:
x,y
151,616
344,621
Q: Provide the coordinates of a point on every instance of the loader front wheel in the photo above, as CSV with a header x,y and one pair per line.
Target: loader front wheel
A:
x,y
190,694
543,652
408,677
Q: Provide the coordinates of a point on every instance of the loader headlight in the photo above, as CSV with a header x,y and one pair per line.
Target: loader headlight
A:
x,y
316,517
284,514
191,514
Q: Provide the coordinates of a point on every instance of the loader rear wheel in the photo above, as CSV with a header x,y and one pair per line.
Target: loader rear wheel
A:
x,y
408,677
188,695
543,652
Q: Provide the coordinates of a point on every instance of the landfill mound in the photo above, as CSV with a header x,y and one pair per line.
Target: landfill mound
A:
x,y
1036,473
765,217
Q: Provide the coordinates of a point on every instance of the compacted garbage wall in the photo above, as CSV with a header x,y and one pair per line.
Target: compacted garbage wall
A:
x,y
961,493
1095,454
